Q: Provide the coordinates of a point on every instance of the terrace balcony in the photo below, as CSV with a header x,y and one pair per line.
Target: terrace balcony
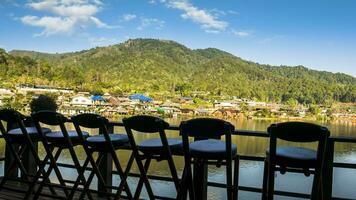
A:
x,y
338,177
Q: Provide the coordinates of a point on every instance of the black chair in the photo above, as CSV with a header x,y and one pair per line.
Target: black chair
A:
x,y
208,148
296,159
59,141
103,144
158,148
24,138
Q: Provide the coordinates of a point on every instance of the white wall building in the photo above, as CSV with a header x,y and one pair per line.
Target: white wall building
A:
x,y
81,101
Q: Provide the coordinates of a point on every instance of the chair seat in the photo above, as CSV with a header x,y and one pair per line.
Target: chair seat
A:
x,y
210,149
58,137
17,136
155,146
298,157
98,142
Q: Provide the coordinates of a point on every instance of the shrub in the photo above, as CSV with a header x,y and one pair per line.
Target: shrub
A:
x,y
43,102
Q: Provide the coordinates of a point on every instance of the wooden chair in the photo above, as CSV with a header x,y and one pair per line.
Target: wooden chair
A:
x,y
23,138
208,148
103,144
295,158
60,140
159,148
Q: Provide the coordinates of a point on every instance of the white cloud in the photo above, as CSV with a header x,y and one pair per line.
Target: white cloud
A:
x,y
151,22
216,12
67,15
208,21
129,17
51,25
241,34
155,1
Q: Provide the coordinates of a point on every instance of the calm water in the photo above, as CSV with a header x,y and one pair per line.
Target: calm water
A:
x,y
250,172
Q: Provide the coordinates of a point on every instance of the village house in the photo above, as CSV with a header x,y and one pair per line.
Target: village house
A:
x,y
81,101
41,89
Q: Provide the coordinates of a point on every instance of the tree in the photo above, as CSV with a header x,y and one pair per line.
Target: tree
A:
x,y
43,102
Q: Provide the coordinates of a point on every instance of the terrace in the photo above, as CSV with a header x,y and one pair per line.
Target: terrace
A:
x,y
246,189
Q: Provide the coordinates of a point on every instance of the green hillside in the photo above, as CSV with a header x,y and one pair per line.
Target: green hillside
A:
x,y
166,68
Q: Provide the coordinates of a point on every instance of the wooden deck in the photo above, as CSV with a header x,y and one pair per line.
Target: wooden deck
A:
x,y
16,191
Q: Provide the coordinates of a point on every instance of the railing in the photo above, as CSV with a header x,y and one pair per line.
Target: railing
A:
x,y
107,171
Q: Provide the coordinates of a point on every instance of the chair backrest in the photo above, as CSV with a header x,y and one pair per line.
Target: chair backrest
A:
x,y
145,123
10,115
92,121
206,128
49,117
298,132
89,120
13,117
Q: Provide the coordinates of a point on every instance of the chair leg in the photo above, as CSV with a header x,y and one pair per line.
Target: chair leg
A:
x,y
58,172
182,191
123,177
270,182
143,179
95,171
82,171
190,183
87,185
127,171
53,166
186,184
80,174
236,177
17,160
173,170
265,180
229,186
40,171
316,193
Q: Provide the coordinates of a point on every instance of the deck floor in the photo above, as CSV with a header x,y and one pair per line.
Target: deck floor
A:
x,y
11,194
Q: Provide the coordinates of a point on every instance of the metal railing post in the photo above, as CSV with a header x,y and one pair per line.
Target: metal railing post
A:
x,y
327,175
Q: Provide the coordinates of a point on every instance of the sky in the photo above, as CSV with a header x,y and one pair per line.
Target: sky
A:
x,y
318,34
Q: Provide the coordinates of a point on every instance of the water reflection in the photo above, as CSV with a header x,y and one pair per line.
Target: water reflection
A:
x,y
251,172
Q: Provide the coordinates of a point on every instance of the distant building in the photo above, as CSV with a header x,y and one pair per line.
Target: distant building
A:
x,y
256,104
187,100
81,101
40,89
225,105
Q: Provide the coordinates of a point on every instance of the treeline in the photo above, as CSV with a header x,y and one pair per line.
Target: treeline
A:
x,y
166,68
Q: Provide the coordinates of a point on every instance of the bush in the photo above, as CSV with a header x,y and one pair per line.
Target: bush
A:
x,y
43,102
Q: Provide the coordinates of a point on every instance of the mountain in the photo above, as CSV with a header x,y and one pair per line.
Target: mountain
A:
x,y
167,68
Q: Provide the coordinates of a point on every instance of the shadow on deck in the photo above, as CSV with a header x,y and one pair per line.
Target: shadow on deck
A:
x,y
14,190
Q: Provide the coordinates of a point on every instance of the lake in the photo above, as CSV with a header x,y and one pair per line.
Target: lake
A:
x,y
251,172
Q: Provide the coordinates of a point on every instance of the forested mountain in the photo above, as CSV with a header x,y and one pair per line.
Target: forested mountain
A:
x,y
166,68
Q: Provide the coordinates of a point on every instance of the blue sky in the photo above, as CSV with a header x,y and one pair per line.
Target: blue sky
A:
x,y
319,34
